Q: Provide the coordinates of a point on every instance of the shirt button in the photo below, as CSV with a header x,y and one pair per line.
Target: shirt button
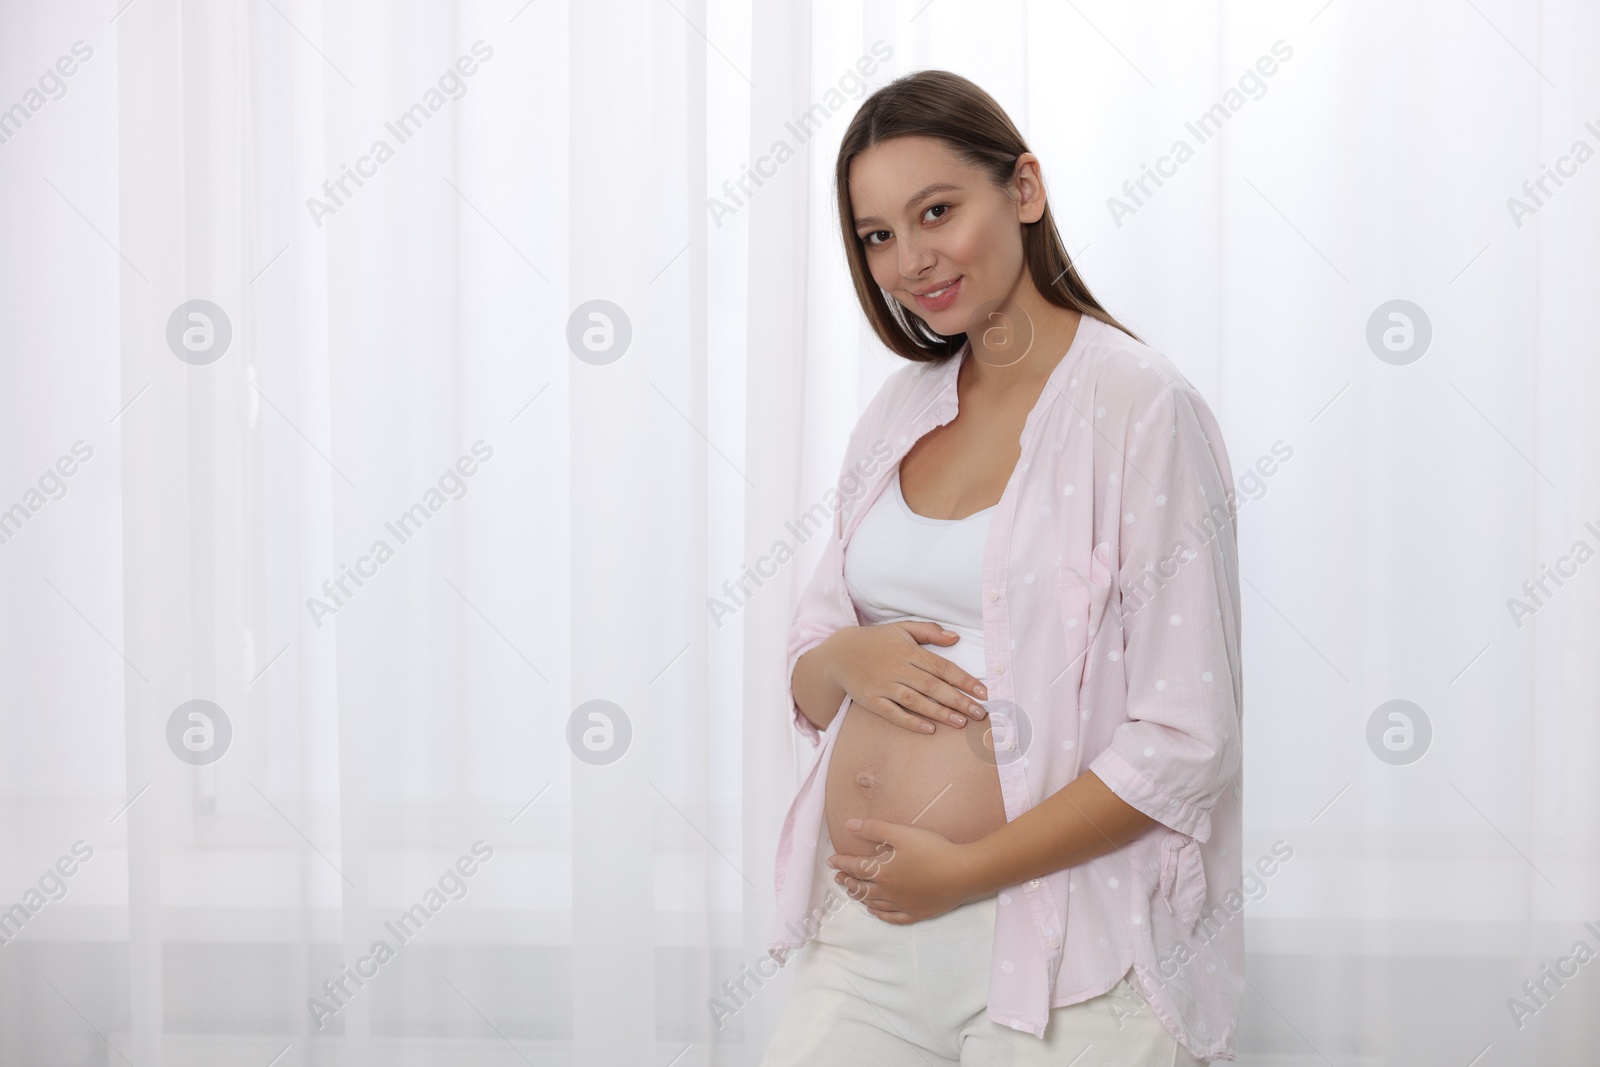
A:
x,y
1055,942
993,596
1035,882
1000,669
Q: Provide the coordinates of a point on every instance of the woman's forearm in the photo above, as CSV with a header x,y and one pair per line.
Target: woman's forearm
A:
x,y
818,696
1084,819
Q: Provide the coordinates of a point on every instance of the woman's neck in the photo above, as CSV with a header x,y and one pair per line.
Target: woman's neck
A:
x,y
994,371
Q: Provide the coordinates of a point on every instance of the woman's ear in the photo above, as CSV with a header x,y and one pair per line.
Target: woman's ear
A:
x,y
1027,183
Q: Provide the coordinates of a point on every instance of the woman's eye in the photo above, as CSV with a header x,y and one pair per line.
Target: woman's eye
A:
x,y
943,209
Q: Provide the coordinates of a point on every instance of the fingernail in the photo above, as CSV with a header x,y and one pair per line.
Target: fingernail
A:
x,y
958,720
983,691
978,712
926,727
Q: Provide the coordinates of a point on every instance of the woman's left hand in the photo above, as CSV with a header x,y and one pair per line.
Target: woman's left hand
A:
x,y
915,874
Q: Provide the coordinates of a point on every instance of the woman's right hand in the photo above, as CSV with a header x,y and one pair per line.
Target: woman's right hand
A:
x,y
886,670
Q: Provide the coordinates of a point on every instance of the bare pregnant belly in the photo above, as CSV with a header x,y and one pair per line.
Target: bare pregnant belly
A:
x,y
882,771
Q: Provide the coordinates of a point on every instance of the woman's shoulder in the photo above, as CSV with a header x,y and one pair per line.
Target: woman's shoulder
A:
x,y
902,393
1142,404
1126,376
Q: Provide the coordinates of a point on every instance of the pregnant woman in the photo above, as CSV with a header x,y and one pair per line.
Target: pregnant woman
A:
x,y
1018,660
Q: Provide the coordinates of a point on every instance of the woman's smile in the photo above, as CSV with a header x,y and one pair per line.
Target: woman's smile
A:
x,y
938,299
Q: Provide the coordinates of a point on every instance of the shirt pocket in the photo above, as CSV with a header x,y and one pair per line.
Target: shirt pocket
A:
x,y
1100,577
1084,600
1182,881
1074,600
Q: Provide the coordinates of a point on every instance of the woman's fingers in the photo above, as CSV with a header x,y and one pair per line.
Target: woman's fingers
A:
x,y
888,709
954,687
878,906
910,698
862,890
956,711
951,696
926,632
939,689
887,670
937,693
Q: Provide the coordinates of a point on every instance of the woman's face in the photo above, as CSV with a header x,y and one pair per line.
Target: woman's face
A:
x,y
937,234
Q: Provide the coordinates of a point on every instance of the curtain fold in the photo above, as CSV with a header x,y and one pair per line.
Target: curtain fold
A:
x,y
764,232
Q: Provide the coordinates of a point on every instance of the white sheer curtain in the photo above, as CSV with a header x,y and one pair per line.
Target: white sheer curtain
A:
x,y
574,371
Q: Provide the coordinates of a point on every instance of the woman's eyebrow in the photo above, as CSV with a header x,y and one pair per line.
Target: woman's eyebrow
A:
x,y
926,191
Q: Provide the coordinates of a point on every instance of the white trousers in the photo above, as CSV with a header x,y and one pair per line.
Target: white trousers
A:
x,y
867,992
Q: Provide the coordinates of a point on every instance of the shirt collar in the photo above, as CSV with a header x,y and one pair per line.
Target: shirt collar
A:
x,y
945,398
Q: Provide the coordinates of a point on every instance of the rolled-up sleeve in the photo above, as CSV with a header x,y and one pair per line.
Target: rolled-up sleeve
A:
x,y
1179,611
812,623
823,606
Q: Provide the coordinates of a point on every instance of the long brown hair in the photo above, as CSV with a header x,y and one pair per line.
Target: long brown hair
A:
x,y
938,103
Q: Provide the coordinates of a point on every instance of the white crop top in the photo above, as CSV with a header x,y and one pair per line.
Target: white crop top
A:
x,y
903,566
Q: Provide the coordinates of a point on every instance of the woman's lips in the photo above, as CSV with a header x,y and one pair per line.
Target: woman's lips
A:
x,y
941,301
